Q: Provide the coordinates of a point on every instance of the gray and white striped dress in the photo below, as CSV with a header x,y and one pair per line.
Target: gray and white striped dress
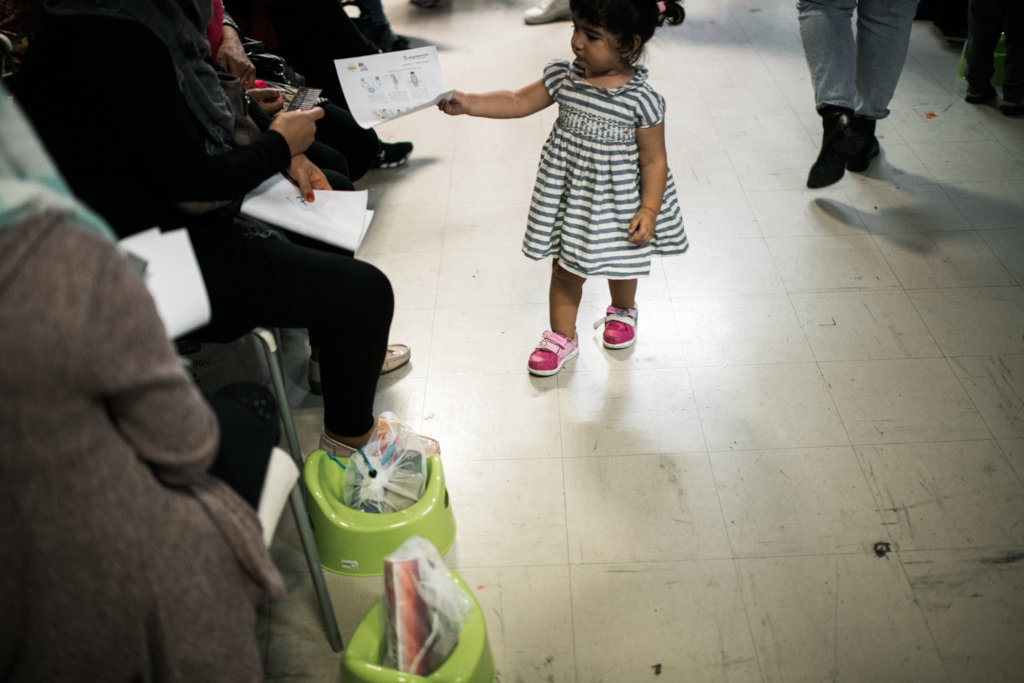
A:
x,y
588,179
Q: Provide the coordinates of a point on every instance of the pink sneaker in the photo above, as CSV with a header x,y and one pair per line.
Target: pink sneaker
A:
x,y
552,352
619,327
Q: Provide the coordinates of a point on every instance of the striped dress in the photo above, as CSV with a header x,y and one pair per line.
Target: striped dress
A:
x,y
588,179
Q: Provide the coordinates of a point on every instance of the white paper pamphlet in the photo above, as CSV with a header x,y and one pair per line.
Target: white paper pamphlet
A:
x,y
172,277
385,86
333,217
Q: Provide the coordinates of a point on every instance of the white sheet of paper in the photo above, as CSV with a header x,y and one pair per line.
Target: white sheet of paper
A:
x,y
385,86
173,278
334,217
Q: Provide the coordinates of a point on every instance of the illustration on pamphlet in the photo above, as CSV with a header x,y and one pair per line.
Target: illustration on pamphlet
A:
x,y
413,79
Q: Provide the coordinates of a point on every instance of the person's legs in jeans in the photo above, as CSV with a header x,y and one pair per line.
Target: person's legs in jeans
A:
x,y
827,36
826,31
854,78
883,36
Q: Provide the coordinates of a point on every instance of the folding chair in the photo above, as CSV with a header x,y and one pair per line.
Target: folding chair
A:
x,y
271,344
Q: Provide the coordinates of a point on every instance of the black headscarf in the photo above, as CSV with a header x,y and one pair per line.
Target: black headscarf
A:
x,y
181,27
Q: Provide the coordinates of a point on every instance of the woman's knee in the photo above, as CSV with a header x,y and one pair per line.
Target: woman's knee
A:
x,y
375,288
338,181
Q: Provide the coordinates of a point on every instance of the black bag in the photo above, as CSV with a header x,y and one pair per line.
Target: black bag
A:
x,y
273,68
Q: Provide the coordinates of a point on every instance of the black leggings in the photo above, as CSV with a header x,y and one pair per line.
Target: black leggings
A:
x,y
339,131
247,435
345,304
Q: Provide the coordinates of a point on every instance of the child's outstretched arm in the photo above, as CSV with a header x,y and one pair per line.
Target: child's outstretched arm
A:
x,y
653,177
500,104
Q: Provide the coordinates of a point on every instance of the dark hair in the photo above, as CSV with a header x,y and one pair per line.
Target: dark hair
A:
x,y
627,18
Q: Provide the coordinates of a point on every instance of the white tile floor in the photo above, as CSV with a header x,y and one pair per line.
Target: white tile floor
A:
x,y
823,370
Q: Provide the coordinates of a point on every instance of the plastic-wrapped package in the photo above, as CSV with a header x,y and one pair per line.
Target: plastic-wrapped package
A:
x,y
423,609
389,473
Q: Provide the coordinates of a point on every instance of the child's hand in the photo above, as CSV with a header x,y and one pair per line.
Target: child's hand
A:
x,y
455,105
641,228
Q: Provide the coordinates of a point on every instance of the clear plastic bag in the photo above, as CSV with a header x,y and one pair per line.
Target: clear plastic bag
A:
x,y
423,609
389,473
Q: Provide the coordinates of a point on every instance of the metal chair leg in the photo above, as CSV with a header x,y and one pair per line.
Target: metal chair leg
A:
x,y
297,498
271,346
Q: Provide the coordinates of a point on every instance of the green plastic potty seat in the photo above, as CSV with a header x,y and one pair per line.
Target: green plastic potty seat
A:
x,y
470,662
355,543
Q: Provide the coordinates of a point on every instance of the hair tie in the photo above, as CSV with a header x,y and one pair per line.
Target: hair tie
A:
x,y
661,6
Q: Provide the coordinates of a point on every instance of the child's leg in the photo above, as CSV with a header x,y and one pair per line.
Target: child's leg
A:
x,y
564,303
623,293
564,300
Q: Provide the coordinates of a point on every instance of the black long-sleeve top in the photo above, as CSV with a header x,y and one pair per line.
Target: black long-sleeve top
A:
x,y
103,96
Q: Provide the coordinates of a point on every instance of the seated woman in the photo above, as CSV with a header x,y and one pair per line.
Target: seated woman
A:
x,y
310,34
341,143
121,557
163,135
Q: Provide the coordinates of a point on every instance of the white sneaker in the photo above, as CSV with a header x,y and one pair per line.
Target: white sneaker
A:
x,y
547,11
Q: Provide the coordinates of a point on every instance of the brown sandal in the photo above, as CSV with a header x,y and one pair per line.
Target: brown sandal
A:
x,y
980,97
1012,108
337,448
396,356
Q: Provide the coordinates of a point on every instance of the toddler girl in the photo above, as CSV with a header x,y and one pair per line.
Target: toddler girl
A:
x,y
604,199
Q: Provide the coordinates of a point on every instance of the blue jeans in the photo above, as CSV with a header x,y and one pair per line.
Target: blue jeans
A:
x,y
858,73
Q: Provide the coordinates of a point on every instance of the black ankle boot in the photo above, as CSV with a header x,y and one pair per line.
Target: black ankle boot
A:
x,y
864,134
837,144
